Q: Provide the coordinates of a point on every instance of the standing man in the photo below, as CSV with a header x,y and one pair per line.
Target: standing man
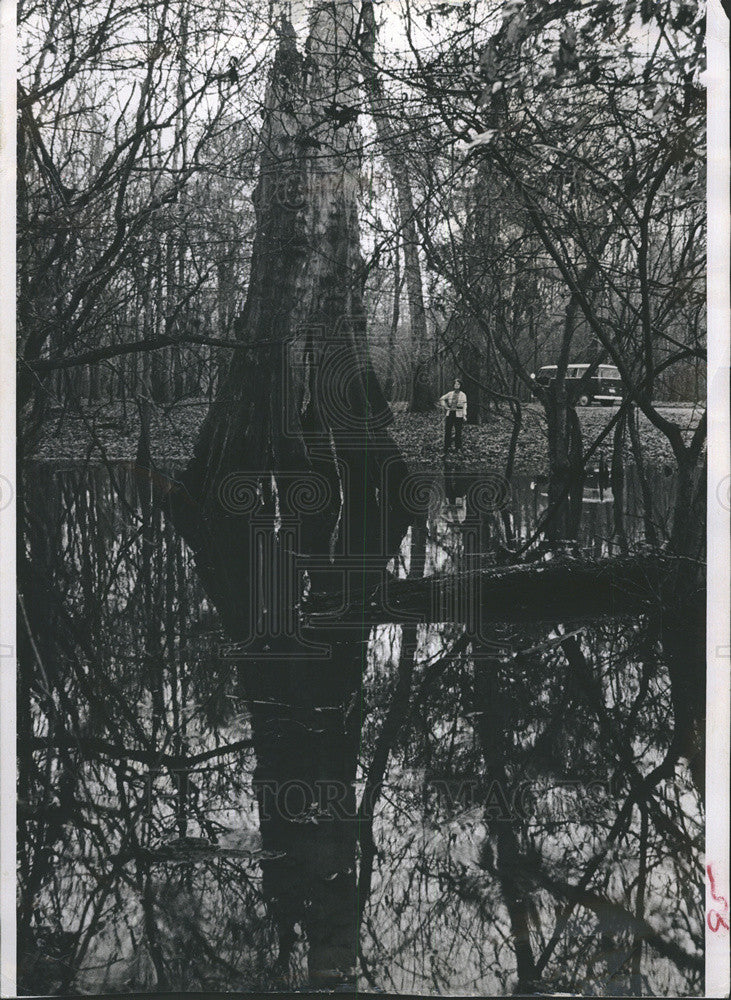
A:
x,y
454,404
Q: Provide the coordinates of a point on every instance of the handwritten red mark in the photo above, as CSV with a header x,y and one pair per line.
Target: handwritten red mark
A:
x,y
714,918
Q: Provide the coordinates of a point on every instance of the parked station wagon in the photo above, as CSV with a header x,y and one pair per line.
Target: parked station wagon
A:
x,y
604,387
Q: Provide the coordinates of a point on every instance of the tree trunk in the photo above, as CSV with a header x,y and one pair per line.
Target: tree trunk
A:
x,y
423,388
294,463
565,464
648,515
473,377
560,590
393,328
683,624
617,484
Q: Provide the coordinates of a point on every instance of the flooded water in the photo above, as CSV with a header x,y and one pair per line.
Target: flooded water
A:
x,y
512,837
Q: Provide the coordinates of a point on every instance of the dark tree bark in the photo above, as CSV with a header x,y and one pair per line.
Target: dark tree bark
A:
x,y
561,590
565,464
294,463
683,625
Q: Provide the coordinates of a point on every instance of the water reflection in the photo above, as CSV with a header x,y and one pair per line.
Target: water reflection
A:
x,y
512,838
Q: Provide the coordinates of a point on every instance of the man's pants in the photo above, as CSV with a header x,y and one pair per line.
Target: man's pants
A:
x,y
453,423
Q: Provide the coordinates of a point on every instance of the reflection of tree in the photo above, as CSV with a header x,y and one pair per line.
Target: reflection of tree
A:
x,y
491,713
557,822
585,749
103,771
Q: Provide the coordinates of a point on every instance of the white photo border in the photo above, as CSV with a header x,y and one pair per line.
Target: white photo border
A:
x,y
718,712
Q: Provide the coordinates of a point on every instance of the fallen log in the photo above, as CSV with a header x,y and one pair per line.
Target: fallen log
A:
x,y
578,589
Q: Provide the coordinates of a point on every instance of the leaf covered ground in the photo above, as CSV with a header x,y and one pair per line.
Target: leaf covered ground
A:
x,y
107,432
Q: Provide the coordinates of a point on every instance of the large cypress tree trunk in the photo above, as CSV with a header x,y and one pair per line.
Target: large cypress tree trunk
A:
x,y
294,470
